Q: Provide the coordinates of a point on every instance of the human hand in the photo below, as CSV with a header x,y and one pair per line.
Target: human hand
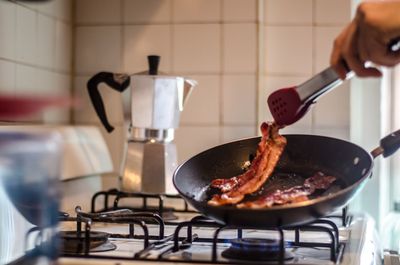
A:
x,y
370,37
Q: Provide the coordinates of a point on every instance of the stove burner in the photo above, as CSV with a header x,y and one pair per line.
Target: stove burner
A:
x,y
74,242
254,249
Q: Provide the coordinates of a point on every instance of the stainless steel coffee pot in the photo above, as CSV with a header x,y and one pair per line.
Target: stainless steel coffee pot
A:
x,y
152,108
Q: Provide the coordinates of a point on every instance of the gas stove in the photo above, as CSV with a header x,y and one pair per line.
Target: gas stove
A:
x,y
162,229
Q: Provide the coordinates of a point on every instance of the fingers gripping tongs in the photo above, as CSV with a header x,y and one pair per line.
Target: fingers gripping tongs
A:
x,y
288,105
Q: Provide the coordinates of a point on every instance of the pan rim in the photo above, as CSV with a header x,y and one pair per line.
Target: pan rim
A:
x,y
314,201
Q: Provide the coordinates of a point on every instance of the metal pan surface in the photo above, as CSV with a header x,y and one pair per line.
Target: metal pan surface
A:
x,y
304,155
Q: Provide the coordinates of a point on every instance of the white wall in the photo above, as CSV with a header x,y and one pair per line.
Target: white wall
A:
x,y
298,37
36,52
212,41
238,50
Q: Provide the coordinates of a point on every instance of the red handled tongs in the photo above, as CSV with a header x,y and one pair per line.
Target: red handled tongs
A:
x,y
288,105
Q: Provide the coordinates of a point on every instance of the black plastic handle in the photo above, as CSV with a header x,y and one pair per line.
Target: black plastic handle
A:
x,y
154,61
118,84
390,143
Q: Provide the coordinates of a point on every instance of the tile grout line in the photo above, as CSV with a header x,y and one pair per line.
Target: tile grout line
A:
x,y
15,52
35,66
313,57
73,56
260,82
172,34
122,31
105,24
222,69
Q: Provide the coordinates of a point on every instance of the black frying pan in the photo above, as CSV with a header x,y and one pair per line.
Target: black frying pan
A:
x,y
304,155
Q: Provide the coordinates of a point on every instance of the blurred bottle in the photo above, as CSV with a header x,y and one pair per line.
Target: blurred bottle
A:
x,y
30,166
391,229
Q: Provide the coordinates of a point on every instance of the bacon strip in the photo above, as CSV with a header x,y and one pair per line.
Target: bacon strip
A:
x,y
269,151
295,194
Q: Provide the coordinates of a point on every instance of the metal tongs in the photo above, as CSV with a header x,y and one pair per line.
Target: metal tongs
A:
x,y
288,105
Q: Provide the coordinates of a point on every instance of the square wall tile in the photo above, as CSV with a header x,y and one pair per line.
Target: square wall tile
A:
x,y
197,48
63,10
45,81
239,101
333,109
297,129
26,80
46,38
273,83
56,116
8,30
27,85
149,11
141,41
206,93
332,12
232,133
60,9
53,84
196,11
288,12
44,7
61,85
288,50
26,35
97,12
85,112
63,47
7,77
64,83
335,132
324,37
239,10
240,48
98,49
191,140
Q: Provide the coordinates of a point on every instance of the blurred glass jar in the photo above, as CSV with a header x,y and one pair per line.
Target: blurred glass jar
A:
x,y
391,229
30,166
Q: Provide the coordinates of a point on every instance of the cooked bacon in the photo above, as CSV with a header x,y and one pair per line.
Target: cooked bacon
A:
x,y
269,151
295,194
319,181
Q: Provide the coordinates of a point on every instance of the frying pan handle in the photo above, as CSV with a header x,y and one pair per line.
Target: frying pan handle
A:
x,y
388,145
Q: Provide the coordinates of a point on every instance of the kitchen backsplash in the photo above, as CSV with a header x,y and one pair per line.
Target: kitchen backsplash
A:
x,y
297,44
36,52
238,50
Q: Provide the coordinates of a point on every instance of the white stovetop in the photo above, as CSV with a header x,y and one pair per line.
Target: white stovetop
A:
x,y
358,250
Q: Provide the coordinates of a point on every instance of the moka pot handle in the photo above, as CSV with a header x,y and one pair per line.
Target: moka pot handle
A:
x,y
118,82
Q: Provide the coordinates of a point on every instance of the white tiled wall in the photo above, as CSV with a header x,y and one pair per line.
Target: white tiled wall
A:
x,y
238,50
36,52
298,37
212,41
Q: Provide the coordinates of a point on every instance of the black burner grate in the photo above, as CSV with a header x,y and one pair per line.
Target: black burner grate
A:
x,y
142,216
